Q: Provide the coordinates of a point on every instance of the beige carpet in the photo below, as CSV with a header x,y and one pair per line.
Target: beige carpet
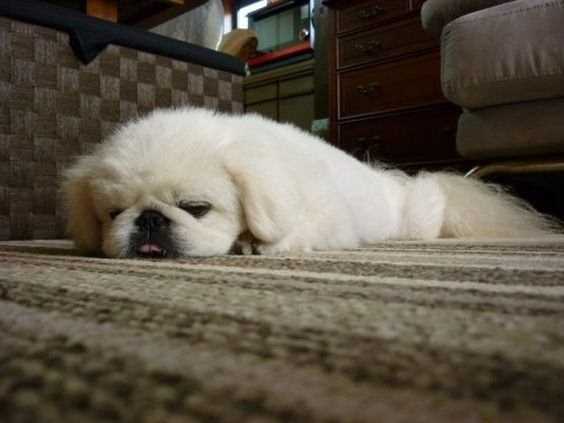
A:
x,y
438,332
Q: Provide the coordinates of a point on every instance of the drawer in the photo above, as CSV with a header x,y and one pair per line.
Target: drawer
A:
x,y
396,39
369,12
262,93
417,4
423,136
395,85
296,86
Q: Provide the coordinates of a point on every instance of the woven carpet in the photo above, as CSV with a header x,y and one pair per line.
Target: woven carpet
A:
x,y
446,331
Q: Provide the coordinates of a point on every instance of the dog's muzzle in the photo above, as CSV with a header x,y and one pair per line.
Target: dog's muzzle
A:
x,y
151,221
152,238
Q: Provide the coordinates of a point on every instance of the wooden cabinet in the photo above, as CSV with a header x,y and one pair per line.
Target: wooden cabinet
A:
x,y
384,85
382,42
389,86
351,15
403,138
284,94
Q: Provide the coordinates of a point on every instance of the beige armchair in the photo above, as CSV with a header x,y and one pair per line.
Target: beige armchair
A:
x,y
503,63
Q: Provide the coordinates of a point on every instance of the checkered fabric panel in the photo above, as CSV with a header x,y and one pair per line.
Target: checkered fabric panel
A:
x,y
52,108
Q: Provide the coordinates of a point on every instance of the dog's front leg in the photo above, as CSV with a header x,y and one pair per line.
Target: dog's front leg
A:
x,y
292,244
246,245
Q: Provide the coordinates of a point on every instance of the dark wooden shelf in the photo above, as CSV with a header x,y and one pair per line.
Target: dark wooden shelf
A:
x,y
143,14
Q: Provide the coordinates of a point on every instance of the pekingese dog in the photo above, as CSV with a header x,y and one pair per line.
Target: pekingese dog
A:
x,y
193,182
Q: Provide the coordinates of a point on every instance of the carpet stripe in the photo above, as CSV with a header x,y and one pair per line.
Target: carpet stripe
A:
x,y
287,275
447,331
546,278
361,314
284,392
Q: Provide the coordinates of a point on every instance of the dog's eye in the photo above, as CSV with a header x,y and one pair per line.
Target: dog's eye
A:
x,y
114,213
195,208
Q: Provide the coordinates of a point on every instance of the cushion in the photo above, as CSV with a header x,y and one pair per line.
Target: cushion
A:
x,y
510,130
240,43
435,14
508,53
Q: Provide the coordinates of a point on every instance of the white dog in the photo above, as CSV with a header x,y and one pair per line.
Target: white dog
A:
x,y
191,182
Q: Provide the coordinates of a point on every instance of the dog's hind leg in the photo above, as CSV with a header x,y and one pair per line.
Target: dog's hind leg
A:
x,y
424,208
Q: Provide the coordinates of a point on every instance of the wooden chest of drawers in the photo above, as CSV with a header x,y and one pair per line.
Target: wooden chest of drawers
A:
x,y
384,80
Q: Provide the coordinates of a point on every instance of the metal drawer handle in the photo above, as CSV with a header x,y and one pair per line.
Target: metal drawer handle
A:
x,y
370,12
367,89
450,131
362,140
367,48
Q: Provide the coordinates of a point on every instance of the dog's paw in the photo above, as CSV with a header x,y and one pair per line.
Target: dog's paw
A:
x,y
289,245
246,245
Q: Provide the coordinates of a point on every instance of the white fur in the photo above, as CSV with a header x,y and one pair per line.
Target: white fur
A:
x,y
292,191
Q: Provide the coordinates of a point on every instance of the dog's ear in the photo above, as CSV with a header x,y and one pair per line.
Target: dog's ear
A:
x,y
83,224
268,193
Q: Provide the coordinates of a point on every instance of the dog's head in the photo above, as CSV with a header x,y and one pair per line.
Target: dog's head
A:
x,y
176,184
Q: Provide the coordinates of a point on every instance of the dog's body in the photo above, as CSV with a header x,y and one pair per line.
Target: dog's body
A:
x,y
193,182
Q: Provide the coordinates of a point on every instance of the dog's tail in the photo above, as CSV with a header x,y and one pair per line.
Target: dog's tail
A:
x,y
459,207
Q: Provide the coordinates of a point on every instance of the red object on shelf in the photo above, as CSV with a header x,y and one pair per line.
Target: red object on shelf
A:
x,y
280,54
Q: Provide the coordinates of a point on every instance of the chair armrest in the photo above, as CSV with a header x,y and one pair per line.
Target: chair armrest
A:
x,y
435,14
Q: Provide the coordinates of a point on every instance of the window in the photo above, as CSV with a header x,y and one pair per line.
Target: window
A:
x,y
241,16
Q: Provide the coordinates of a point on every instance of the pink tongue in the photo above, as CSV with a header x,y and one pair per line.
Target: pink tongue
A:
x,y
149,248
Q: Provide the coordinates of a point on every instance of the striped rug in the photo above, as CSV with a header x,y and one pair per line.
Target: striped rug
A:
x,y
447,331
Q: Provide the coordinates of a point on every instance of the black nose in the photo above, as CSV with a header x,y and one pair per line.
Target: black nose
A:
x,y
151,220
